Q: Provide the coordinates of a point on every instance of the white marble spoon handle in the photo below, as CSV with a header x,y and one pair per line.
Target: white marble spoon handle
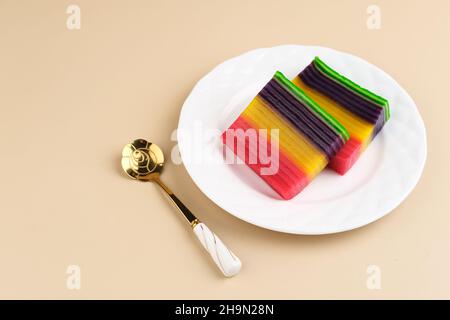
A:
x,y
228,263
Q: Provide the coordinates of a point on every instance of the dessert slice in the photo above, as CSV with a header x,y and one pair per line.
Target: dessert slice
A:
x,y
285,137
360,111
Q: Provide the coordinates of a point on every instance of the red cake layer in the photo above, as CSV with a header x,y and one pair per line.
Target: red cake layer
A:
x,y
288,181
346,157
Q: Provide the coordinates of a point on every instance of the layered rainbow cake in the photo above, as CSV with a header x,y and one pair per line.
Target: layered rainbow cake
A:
x,y
306,138
360,111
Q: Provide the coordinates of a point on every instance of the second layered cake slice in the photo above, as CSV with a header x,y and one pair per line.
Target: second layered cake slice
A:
x,y
360,111
285,137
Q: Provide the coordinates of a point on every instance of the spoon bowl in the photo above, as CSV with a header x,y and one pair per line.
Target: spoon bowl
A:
x,y
142,160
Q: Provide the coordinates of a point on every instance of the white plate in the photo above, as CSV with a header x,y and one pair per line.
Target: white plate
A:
x,y
380,180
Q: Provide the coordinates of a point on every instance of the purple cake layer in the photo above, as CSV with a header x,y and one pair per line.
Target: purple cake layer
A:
x,y
325,131
302,118
364,108
379,125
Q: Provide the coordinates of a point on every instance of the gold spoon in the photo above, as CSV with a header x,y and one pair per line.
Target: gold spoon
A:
x,y
143,160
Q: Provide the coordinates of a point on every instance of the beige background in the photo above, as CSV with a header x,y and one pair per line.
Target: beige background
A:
x,y
69,101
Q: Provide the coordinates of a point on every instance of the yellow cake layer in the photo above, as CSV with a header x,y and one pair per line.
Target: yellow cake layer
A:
x,y
357,127
296,147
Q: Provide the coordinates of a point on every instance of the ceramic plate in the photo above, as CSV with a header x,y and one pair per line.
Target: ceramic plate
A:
x,y
380,180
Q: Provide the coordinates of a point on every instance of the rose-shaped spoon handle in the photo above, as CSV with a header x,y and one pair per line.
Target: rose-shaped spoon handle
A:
x,y
227,262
